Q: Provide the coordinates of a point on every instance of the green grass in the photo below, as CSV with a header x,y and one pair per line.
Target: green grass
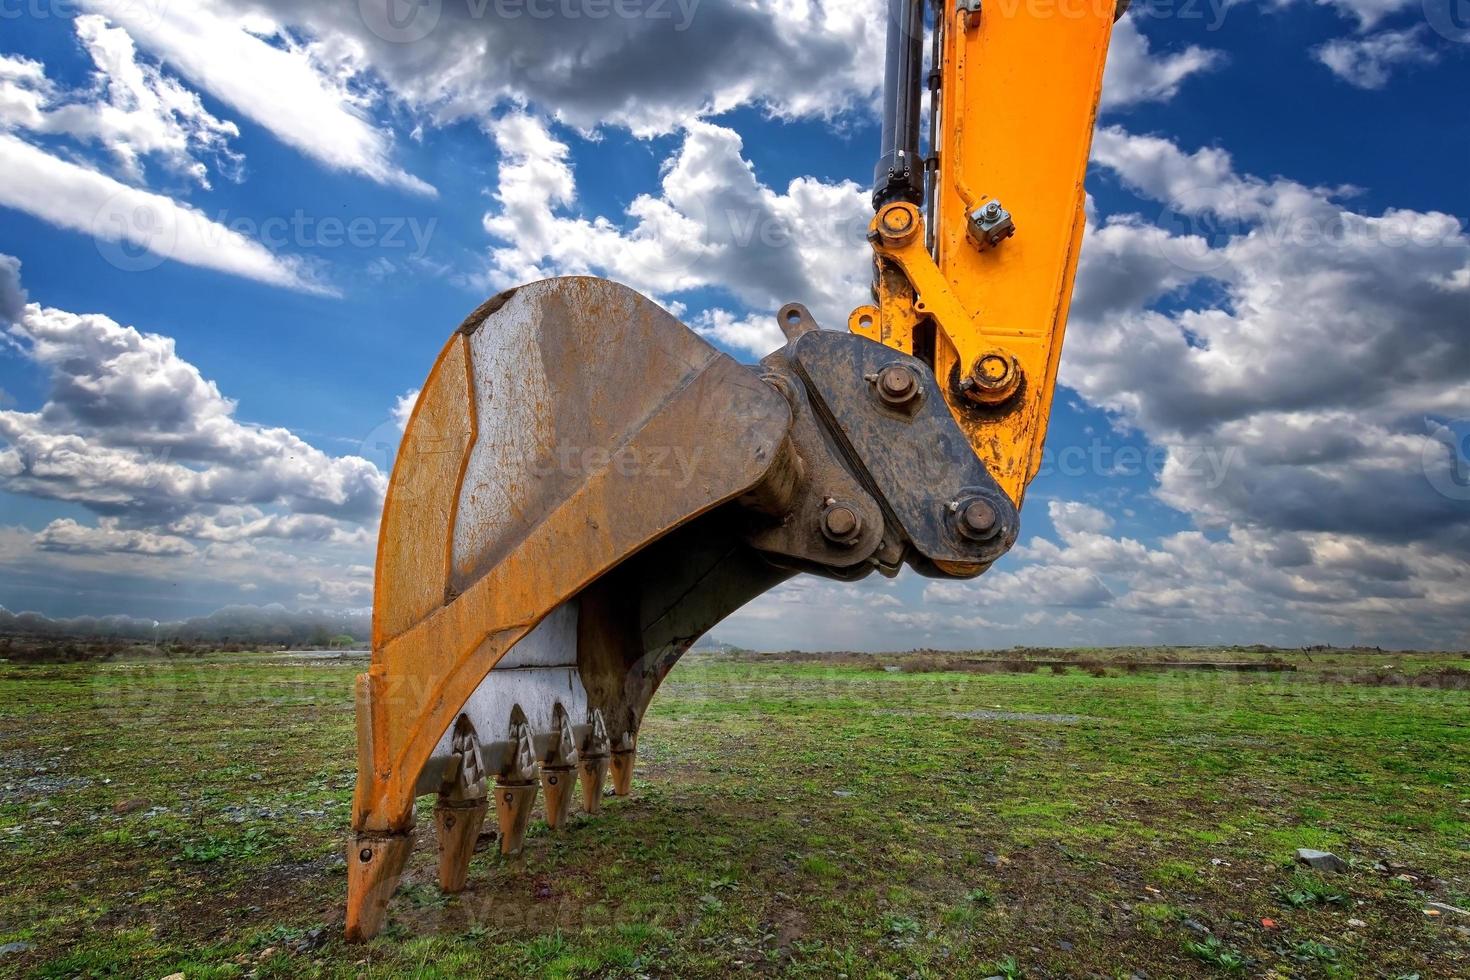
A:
x,y
803,819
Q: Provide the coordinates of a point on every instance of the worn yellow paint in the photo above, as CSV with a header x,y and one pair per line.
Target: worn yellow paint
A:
x,y
423,492
1020,88
420,679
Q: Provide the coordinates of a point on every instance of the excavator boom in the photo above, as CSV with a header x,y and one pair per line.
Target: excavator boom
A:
x,y
585,486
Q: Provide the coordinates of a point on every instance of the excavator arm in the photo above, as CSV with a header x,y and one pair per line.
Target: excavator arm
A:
x,y
585,486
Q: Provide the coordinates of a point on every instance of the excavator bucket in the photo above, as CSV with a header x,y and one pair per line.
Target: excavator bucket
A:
x,y
586,486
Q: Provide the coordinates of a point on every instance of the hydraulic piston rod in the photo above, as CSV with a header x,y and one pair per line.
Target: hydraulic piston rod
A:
x,y
899,175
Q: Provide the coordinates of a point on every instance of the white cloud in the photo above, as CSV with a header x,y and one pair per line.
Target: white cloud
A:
x,y
714,224
12,295
135,229
1256,583
1072,518
132,110
1368,13
650,65
182,490
757,334
303,94
130,429
1030,585
1369,62
1137,74
1295,359
65,534
403,407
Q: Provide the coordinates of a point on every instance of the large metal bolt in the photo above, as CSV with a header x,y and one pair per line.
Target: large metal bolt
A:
x,y
978,520
976,517
992,210
841,523
897,220
993,379
897,223
897,385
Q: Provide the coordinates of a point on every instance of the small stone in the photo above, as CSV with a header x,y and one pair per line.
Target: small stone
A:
x,y
844,793
124,807
1444,909
11,948
174,976
1321,860
1196,927
1357,924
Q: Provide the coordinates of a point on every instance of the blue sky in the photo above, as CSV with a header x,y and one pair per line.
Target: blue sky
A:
x,y
1260,433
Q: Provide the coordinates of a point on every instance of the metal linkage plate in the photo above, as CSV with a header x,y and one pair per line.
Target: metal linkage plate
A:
x,y
886,409
807,533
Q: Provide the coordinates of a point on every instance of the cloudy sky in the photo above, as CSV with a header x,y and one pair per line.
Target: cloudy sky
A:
x,y
233,236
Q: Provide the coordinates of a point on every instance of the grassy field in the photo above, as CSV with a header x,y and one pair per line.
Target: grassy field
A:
x,y
943,817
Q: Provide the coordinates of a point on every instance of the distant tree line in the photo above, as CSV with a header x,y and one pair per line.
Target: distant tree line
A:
x,y
243,626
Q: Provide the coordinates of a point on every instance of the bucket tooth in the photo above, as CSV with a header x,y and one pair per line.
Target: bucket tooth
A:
x,y
622,764
622,772
513,805
515,787
458,828
559,786
592,767
374,865
460,810
559,769
593,775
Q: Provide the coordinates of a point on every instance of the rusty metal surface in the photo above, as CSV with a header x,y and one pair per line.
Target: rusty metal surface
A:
x,y
412,566
627,382
563,371
916,459
536,676
825,477
621,490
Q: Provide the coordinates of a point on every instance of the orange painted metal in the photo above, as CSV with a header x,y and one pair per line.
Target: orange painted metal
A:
x,y
1019,92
